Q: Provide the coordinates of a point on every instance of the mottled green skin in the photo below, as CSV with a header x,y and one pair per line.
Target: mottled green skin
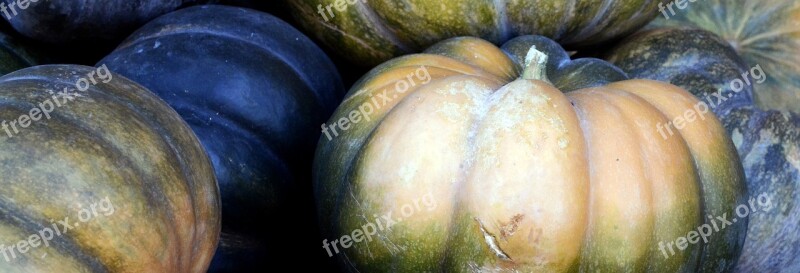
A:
x,y
694,59
767,141
765,33
769,145
371,32
460,247
115,140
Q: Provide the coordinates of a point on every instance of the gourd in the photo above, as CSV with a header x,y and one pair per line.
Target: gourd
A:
x,y
85,22
255,91
371,32
102,179
479,158
766,141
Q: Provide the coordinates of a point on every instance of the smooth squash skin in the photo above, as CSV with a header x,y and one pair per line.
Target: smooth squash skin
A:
x,y
490,166
255,91
767,141
371,32
116,142
87,21
765,33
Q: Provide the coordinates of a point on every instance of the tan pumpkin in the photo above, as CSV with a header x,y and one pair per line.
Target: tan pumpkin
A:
x,y
523,176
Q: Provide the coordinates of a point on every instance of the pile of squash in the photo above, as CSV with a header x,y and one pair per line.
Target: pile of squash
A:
x,y
476,136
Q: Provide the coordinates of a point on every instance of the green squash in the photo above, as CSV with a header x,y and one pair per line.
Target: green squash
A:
x,y
471,158
694,59
767,141
765,33
109,179
371,32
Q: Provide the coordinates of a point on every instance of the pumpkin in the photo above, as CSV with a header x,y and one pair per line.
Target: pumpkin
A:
x,y
694,59
254,90
767,141
84,22
765,33
469,158
109,179
370,32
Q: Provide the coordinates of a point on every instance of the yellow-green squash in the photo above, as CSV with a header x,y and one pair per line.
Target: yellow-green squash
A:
x,y
99,175
371,32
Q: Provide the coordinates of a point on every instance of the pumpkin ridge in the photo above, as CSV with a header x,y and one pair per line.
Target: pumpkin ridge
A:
x,y
65,244
362,91
355,157
166,140
189,30
372,15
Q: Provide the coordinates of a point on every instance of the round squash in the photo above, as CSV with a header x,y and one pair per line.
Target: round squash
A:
x,y
765,33
371,32
109,179
255,91
88,21
485,166
767,141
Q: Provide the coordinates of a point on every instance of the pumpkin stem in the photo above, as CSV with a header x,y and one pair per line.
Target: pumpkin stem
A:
x,y
535,65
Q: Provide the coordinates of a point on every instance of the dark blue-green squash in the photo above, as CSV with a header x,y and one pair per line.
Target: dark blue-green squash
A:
x,y
255,91
768,142
87,21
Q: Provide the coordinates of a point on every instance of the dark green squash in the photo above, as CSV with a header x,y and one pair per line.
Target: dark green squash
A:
x,y
87,21
255,91
518,159
115,163
371,32
767,141
694,59
765,33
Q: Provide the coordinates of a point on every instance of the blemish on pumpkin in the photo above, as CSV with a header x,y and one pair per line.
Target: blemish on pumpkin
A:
x,y
508,229
492,243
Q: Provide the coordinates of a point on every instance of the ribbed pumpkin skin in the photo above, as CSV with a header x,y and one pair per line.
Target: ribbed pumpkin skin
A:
x,y
556,182
767,141
255,91
116,140
371,32
762,32
694,59
86,21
